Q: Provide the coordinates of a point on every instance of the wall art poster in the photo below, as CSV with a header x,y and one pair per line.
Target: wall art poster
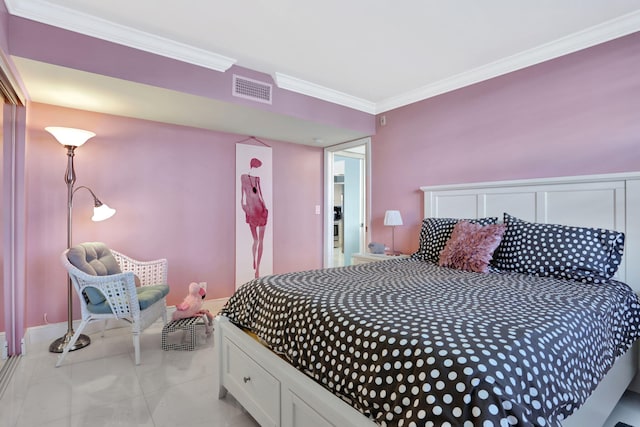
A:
x,y
254,212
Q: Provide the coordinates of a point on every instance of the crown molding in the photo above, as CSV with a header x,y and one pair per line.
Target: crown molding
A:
x,y
316,91
62,17
615,28
48,13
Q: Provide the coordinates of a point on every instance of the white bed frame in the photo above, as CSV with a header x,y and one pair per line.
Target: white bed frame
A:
x,y
276,394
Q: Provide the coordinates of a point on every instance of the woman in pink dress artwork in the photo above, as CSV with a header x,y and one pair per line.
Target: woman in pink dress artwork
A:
x,y
256,212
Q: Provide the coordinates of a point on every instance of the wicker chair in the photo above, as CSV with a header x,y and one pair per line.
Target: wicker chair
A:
x,y
105,281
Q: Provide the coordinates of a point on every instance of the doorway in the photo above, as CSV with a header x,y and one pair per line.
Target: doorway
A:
x,y
347,210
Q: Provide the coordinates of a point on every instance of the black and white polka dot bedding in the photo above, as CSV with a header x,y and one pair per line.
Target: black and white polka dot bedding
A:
x,y
409,343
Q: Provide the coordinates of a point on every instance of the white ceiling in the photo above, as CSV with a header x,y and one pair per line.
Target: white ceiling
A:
x,y
372,55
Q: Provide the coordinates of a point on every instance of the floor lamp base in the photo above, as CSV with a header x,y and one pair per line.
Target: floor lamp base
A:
x,y
58,345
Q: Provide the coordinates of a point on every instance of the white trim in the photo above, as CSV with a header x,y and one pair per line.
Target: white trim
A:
x,y
51,331
597,34
329,195
622,216
62,17
4,350
13,225
537,181
37,335
326,94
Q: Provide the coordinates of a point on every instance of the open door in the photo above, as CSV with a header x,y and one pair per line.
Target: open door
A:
x,y
347,201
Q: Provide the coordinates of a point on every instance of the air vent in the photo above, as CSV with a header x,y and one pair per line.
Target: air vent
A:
x,y
255,90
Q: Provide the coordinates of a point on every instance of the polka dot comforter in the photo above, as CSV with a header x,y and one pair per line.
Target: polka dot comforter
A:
x,y
408,343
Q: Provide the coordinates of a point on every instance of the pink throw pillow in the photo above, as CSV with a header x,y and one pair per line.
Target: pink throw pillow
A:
x,y
471,246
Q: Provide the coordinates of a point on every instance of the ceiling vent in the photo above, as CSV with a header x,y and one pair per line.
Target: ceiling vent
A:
x,y
254,90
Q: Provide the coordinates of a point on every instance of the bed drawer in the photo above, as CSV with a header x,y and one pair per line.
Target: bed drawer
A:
x,y
256,389
298,413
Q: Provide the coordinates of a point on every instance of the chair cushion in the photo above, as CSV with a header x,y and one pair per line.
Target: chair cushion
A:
x,y
147,296
96,259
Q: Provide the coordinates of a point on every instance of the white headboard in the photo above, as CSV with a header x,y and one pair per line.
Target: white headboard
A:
x,y
606,201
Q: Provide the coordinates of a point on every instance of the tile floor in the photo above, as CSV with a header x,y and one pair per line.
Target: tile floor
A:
x,y
101,386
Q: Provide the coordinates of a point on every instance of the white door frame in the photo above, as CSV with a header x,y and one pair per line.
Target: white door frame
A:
x,y
328,195
13,219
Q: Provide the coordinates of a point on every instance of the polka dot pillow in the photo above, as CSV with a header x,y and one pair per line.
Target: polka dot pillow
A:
x,y
435,233
589,255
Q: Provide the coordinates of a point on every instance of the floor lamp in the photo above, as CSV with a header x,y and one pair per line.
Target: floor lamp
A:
x,y
393,218
71,139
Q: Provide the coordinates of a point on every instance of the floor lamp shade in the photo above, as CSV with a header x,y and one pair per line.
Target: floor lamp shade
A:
x,y
70,136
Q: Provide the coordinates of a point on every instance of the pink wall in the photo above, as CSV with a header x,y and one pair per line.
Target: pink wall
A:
x,y
576,115
172,186
174,191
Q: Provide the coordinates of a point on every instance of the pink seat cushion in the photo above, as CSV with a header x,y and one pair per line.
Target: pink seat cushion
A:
x,y
471,246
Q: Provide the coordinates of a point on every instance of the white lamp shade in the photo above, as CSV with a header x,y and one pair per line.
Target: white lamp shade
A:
x,y
392,218
70,136
102,212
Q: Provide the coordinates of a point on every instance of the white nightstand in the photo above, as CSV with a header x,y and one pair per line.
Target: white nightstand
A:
x,y
361,258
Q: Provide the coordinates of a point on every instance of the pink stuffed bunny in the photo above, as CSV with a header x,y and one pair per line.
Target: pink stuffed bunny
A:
x,y
191,306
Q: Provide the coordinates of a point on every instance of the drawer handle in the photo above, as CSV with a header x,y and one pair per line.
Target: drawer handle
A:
x,y
246,379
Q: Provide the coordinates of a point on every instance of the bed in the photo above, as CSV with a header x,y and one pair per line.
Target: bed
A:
x,y
409,342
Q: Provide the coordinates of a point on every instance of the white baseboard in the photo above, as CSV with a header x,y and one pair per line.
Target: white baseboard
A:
x,y
36,336
3,346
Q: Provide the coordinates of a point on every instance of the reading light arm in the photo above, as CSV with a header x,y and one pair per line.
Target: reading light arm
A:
x,y
97,203
101,210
